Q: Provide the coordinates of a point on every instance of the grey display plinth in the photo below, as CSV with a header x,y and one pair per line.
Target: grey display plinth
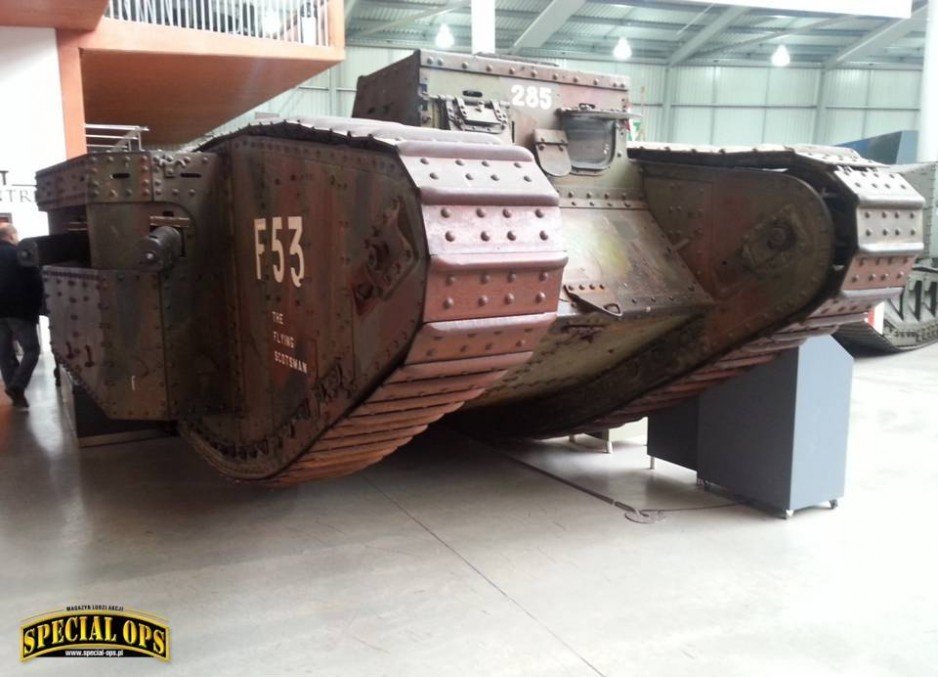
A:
x,y
777,434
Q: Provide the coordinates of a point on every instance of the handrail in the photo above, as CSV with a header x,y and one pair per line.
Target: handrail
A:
x,y
110,138
300,21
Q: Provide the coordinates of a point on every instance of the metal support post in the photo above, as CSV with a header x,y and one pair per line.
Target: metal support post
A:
x,y
665,134
927,128
822,100
483,26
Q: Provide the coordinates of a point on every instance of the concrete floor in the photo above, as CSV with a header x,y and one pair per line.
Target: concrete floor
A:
x,y
451,558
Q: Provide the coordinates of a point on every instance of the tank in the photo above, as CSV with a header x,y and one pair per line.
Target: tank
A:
x,y
687,264
909,320
293,295
302,297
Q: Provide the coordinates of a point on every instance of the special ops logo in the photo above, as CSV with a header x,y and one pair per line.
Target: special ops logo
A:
x,y
94,631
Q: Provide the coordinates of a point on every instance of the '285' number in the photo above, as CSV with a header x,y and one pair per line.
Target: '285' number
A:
x,y
531,97
279,264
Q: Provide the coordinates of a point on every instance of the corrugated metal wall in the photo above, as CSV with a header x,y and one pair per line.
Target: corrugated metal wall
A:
x,y
709,104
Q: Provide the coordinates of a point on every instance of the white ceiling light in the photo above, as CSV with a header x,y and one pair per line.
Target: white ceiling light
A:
x,y
622,50
444,37
781,57
270,23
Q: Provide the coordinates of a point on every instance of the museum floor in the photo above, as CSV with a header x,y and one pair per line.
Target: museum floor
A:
x,y
454,558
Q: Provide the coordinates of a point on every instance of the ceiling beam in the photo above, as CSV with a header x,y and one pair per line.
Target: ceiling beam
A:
x,y
878,40
349,7
705,34
581,19
899,9
547,23
417,42
436,10
772,35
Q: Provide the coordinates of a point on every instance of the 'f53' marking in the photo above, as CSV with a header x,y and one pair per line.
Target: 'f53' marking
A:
x,y
295,255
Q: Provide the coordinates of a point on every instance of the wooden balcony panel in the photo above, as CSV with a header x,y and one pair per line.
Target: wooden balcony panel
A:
x,y
182,82
73,14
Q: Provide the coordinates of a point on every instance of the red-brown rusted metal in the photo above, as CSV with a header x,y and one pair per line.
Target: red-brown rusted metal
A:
x,y
687,265
371,278
305,296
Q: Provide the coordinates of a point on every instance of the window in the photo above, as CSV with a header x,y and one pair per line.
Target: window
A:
x,y
591,141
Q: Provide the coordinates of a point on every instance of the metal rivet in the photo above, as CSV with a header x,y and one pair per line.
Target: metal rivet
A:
x,y
483,300
539,213
445,212
450,236
539,297
448,302
511,235
486,236
509,298
544,235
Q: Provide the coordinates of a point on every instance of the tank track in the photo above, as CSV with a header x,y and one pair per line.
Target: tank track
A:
x,y
884,248
909,322
495,266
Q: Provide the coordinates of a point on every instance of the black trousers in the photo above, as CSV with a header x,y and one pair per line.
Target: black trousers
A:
x,y
16,373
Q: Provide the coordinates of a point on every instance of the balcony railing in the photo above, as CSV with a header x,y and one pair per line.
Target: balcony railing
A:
x,y
300,21
112,138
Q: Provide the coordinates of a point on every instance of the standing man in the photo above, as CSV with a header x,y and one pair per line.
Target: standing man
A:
x,y
20,303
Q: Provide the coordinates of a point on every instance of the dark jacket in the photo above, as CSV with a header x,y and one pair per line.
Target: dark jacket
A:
x,y
20,288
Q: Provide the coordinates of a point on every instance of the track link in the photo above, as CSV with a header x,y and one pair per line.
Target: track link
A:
x,y
492,228
884,227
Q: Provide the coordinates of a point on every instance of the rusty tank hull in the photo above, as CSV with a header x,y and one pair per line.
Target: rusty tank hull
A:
x,y
294,294
304,296
687,265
